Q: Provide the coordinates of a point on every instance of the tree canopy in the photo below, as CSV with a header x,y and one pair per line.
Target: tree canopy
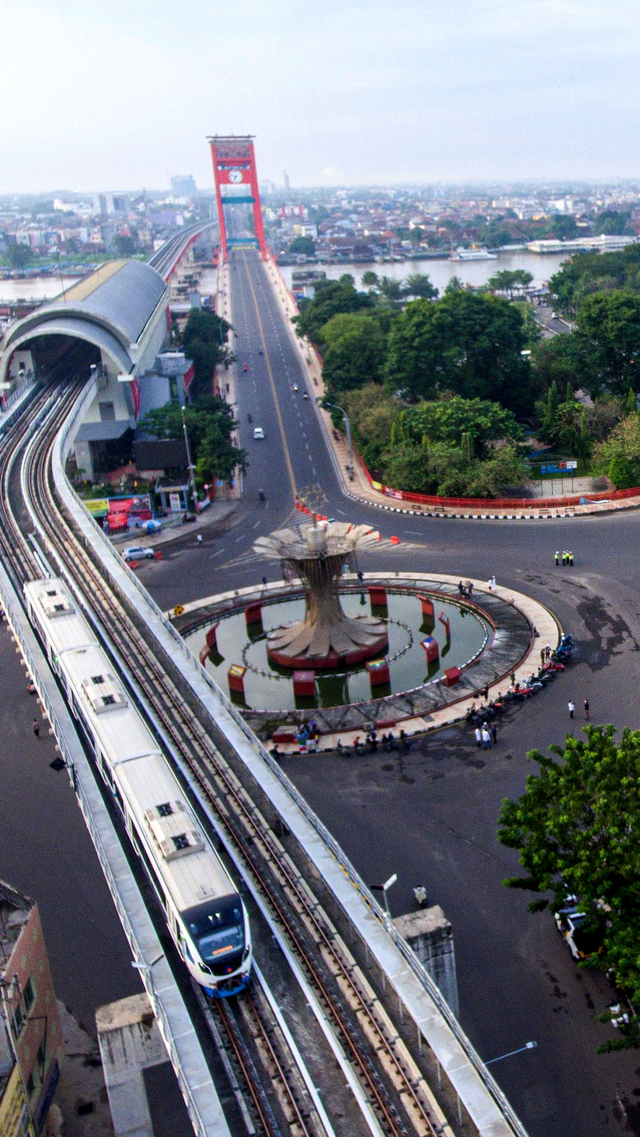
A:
x,y
210,423
575,828
332,297
464,343
355,345
608,338
304,245
17,255
203,340
455,419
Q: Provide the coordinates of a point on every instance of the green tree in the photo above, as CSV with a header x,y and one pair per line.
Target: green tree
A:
x,y
203,340
608,337
391,288
448,420
355,348
453,285
464,343
619,455
587,273
416,235
563,227
18,255
509,280
124,245
612,222
209,424
303,245
331,298
419,284
370,279
575,829
372,413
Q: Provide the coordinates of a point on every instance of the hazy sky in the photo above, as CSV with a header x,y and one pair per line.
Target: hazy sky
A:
x,y
107,94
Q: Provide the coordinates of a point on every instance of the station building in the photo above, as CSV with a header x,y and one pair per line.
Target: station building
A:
x,y
113,321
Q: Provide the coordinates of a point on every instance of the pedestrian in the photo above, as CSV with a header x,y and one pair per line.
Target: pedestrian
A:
x,y
572,708
199,539
461,588
478,737
36,728
339,747
571,559
548,651
543,656
494,733
565,557
264,580
513,678
486,738
469,588
484,694
586,709
493,583
557,557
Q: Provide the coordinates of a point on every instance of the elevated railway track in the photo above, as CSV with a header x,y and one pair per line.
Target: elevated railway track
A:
x,y
392,1088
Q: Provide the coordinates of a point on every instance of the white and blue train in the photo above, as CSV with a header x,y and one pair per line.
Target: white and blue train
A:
x,y
205,914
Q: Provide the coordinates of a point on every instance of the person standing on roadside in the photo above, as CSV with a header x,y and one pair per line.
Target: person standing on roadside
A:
x,y
557,557
478,737
571,559
572,708
586,709
494,733
36,728
486,738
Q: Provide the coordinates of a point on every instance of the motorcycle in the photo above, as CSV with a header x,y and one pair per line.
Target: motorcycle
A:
x,y
249,418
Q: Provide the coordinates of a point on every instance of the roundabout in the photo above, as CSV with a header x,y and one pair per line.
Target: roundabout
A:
x,y
481,644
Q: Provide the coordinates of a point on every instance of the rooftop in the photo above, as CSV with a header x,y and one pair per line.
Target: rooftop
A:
x,y
14,913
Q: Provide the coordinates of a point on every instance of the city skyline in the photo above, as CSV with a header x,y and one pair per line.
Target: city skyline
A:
x,y
353,95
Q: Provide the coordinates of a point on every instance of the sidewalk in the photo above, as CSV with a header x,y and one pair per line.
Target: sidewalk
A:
x,y
217,512
359,489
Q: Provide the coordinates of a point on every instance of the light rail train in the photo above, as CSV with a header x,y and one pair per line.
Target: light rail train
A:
x,y
205,914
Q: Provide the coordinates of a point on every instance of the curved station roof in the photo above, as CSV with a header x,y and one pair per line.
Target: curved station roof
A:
x,y
110,308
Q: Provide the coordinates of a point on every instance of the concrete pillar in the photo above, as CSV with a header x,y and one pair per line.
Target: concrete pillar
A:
x,y
130,1041
430,935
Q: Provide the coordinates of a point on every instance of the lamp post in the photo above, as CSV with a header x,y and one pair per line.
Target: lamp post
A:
x,y
335,407
384,888
527,1046
190,466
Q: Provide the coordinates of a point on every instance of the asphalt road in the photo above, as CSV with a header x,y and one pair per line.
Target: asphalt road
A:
x,y
431,816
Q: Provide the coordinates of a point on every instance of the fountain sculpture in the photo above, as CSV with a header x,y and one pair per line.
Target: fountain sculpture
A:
x,y
326,637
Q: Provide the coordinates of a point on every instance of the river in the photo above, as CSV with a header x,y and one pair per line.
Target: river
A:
x,y
541,268
34,288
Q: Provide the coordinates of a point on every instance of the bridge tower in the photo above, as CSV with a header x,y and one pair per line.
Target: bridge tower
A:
x,y
236,180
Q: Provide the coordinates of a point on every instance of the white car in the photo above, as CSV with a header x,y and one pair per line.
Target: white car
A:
x,y
137,553
258,432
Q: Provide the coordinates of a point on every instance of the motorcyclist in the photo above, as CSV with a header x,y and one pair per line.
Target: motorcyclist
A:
x,y
295,386
244,367
249,418
261,495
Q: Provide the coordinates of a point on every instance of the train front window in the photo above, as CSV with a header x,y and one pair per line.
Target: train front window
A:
x,y
216,928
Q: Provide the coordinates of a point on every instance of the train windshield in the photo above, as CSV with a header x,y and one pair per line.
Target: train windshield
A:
x,y
217,928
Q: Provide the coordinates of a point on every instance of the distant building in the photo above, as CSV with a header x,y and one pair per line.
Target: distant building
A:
x,y
31,1043
183,185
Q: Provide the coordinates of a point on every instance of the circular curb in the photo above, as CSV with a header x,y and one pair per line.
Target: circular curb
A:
x,y
537,615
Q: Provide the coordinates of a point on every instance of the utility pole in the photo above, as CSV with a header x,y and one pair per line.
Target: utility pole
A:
x,y
335,407
190,466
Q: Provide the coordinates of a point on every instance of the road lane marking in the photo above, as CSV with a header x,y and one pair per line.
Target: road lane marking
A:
x,y
287,456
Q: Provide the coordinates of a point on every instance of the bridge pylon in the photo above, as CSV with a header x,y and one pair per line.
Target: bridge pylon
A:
x,y
236,181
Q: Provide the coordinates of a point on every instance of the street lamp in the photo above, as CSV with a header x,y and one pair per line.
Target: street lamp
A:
x,y
335,407
527,1046
190,466
384,888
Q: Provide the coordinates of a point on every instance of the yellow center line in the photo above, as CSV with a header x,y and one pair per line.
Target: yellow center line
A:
x,y
287,456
